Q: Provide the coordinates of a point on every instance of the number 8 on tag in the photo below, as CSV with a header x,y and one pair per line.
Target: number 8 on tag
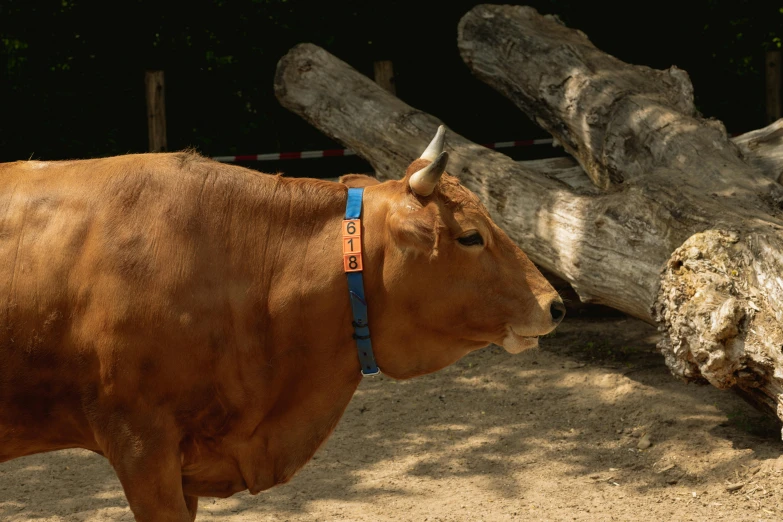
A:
x,y
353,262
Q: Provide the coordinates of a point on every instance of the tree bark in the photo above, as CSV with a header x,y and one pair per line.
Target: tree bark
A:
x,y
763,149
673,224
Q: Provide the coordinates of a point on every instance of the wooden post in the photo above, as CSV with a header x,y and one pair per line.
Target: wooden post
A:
x,y
156,111
773,86
384,75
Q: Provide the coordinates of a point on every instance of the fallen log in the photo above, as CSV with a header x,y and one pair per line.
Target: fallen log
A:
x,y
636,133
671,224
530,203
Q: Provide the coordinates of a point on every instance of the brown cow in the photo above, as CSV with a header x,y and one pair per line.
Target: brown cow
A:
x,y
190,320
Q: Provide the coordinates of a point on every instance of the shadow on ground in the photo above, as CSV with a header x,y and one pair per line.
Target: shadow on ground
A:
x,y
556,423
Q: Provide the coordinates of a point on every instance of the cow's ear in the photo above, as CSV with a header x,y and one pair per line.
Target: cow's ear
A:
x,y
414,227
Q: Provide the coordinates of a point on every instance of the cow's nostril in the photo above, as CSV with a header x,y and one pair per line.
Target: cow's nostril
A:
x,y
557,309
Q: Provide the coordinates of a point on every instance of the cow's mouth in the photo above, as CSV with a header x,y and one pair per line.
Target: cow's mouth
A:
x,y
515,343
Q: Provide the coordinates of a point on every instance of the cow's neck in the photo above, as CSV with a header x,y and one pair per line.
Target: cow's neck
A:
x,y
308,368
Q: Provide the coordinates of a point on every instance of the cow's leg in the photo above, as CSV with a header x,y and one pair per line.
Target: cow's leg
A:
x,y
152,482
192,503
146,457
153,485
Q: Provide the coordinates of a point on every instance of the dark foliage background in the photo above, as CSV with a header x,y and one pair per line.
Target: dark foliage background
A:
x,y
71,71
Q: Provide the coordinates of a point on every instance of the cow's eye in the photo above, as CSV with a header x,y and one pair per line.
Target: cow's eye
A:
x,y
472,239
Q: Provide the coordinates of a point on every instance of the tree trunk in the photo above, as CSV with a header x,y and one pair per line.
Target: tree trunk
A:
x,y
156,110
673,223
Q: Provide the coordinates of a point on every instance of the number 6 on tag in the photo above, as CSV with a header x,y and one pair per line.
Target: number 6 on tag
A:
x,y
352,227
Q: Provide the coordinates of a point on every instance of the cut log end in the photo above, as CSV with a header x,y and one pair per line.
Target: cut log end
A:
x,y
714,309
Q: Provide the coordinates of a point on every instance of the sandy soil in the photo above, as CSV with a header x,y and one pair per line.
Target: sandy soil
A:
x,y
550,434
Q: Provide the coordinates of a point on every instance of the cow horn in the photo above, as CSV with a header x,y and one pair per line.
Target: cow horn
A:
x,y
436,145
423,181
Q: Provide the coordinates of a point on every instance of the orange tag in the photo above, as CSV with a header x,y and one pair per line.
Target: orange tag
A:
x,y
352,227
352,245
352,262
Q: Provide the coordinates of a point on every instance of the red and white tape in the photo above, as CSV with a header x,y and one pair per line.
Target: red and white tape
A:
x,y
518,143
275,156
308,154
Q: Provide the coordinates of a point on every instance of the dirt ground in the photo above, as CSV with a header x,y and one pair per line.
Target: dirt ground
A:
x,y
550,434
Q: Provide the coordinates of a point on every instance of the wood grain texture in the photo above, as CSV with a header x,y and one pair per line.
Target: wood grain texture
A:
x,y
155,90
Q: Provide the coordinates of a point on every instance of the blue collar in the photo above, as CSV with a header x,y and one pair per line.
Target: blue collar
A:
x,y
352,263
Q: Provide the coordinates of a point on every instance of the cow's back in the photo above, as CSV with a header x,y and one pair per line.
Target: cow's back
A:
x,y
94,254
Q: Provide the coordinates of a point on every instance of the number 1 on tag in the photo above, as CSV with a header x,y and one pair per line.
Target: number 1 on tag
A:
x,y
352,245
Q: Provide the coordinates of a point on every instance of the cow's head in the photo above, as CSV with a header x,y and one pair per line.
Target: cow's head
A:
x,y
445,280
